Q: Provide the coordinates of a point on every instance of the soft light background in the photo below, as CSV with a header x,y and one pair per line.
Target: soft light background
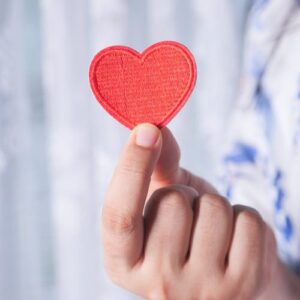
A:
x,y
57,145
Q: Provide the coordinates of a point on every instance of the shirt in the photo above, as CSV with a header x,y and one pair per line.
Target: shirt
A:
x,y
261,163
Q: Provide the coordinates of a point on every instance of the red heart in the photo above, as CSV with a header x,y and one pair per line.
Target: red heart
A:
x,y
148,87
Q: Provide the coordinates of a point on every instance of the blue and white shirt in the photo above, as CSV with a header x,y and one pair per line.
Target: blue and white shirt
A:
x,y
262,161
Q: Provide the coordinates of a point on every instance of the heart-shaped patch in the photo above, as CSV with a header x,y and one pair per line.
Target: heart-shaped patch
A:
x,y
147,87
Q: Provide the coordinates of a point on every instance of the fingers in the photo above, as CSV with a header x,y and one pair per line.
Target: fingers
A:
x,y
168,223
212,233
122,221
168,170
247,247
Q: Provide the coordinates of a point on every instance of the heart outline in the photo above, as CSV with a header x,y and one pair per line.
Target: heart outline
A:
x,y
142,58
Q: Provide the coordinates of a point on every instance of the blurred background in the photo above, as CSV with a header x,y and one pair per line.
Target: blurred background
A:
x,y
58,147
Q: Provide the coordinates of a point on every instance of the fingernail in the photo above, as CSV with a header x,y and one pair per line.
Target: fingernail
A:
x,y
146,135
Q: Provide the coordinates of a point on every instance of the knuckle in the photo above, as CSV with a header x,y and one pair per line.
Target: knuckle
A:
x,y
170,199
251,219
133,167
135,162
118,222
216,203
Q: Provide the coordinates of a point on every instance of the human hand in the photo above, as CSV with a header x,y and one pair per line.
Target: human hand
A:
x,y
167,234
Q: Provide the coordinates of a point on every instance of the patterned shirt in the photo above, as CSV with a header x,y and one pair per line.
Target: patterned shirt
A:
x,y
261,165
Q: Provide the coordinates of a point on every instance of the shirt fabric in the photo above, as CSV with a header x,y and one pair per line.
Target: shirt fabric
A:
x,y
261,166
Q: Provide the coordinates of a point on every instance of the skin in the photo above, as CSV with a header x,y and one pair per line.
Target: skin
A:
x,y
167,234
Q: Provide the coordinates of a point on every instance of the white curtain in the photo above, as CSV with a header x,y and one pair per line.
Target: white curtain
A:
x,y
57,145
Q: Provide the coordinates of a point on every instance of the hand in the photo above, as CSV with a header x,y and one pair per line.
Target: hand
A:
x,y
167,234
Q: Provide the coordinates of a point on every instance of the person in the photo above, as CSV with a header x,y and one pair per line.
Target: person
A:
x,y
168,234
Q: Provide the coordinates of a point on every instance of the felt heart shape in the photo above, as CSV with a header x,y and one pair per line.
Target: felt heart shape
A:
x,y
150,87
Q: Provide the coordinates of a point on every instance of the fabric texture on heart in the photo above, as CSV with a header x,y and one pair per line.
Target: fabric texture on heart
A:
x,y
150,87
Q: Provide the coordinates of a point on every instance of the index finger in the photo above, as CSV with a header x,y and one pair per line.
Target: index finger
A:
x,y
122,215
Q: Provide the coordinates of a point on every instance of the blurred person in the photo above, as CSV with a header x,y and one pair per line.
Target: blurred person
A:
x,y
168,234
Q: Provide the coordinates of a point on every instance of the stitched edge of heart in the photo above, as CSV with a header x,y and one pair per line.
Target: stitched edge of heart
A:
x,y
143,55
